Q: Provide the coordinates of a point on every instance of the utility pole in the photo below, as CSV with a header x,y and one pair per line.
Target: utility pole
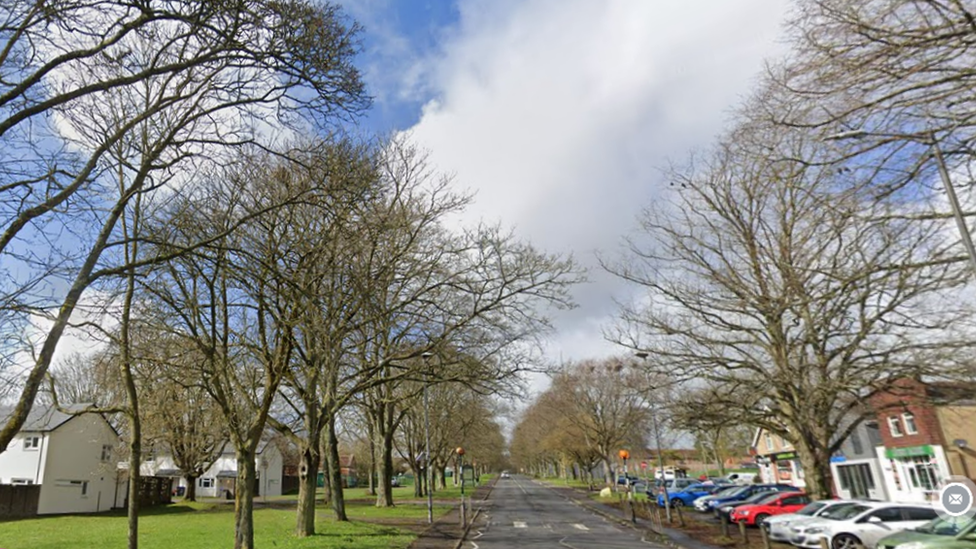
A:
x,y
427,471
660,455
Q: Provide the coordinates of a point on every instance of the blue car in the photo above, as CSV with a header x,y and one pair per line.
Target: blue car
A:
x,y
688,495
740,494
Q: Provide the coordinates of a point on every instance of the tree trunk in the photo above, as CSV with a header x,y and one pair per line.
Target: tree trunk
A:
x,y
816,471
418,476
442,474
308,472
135,461
191,488
607,471
384,469
244,500
373,476
335,471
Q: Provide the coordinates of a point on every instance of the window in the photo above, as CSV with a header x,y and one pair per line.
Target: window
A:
x,y
84,488
22,481
910,426
83,484
920,513
32,443
795,500
206,483
769,441
921,473
783,443
106,452
857,479
888,514
856,445
874,433
895,426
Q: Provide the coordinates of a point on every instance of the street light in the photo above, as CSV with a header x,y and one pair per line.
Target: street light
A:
x,y
660,456
427,472
933,143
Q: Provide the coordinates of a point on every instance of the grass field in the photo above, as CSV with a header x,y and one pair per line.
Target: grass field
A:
x,y
207,525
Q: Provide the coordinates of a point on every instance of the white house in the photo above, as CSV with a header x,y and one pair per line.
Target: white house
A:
x,y
70,456
219,479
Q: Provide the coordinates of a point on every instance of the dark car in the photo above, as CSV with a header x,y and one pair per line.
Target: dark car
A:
x,y
747,492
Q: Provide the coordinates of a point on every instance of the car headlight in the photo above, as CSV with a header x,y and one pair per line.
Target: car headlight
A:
x,y
815,530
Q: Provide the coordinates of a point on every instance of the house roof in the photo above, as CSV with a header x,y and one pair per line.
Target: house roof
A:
x,y
42,418
227,473
168,473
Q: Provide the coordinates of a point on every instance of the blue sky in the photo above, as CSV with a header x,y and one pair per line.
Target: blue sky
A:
x,y
561,114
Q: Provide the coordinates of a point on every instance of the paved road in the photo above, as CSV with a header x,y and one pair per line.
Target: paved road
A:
x,y
522,513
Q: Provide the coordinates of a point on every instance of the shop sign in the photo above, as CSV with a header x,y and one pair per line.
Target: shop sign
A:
x,y
910,451
784,455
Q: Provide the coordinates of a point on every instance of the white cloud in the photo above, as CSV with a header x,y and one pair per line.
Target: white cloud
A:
x,y
560,113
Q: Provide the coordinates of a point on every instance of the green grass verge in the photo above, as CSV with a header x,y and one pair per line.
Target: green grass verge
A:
x,y
203,526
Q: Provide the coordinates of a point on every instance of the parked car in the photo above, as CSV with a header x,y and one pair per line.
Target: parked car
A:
x,y
702,503
721,481
725,510
626,479
941,533
687,495
748,465
780,503
670,473
741,478
743,493
778,527
861,524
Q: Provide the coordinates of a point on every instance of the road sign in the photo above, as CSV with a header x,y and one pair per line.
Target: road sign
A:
x,y
643,465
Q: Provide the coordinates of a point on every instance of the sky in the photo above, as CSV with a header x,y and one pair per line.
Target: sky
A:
x,y
560,114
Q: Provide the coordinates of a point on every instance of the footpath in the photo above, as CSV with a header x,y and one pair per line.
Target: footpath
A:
x,y
447,531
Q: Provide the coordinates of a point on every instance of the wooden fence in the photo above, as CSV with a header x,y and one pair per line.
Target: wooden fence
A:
x,y
19,501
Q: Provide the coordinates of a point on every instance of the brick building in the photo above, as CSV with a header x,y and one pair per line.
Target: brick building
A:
x,y
925,430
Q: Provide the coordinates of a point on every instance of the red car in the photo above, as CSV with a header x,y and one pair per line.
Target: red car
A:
x,y
755,514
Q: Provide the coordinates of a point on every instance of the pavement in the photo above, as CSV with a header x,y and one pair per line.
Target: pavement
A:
x,y
524,513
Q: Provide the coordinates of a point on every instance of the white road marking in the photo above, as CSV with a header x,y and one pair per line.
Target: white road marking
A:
x,y
580,527
519,525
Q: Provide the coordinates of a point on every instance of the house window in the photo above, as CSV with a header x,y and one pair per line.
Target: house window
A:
x,y
874,433
895,425
206,483
910,426
32,443
921,473
769,441
22,481
83,484
106,452
856,444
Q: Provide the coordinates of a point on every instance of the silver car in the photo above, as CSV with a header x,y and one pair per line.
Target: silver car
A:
x,y
778,527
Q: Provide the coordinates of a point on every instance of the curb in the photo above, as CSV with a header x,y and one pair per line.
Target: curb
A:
x,y
467,529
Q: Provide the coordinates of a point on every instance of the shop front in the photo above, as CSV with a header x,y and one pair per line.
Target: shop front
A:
x,y
914,473
785,468
857,478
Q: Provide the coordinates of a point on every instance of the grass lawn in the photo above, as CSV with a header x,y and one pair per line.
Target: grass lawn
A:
x,y
203,526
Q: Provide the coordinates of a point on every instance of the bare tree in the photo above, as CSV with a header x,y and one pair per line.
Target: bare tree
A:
x,y
199,80
797,291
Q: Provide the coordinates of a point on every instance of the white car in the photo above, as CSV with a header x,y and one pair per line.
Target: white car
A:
x,y
861,524
778,526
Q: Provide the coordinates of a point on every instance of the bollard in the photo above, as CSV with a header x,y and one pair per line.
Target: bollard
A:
x,y
725,527
742,532
764,532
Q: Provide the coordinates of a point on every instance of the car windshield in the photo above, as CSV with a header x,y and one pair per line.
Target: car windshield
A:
x,y
738,491
844,512
811,508
948,526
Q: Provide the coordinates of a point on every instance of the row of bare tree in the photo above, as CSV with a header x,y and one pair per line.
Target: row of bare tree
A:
x,y
792,273
173,181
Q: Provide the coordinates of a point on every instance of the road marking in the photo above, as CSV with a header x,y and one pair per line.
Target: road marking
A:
x,y
522,488
580,527
519,525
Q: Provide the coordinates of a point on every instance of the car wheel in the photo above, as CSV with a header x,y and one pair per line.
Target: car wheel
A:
x,y
845,541
761,519
677,503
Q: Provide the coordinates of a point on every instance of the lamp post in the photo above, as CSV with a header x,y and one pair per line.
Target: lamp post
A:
x,y
933,143
464,513
427,472
660,456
